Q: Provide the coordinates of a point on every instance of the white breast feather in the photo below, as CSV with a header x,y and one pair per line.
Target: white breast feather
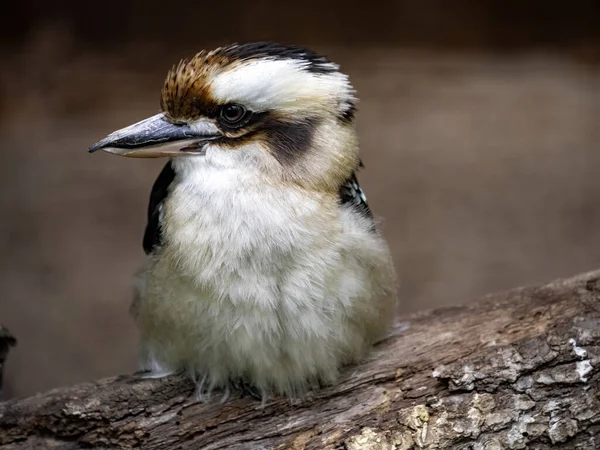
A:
x,y
263,282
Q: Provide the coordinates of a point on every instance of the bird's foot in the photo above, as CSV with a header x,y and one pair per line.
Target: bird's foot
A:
x,y
248,389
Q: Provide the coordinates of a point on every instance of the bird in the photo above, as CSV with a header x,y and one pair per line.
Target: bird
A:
x,y
265,269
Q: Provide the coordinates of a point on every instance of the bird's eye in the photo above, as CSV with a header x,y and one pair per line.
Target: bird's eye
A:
x,y
233,114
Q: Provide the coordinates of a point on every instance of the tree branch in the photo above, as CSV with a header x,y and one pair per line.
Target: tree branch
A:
x,y
513,370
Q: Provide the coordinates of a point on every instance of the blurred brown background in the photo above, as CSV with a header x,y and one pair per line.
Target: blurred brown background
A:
x,y
479,124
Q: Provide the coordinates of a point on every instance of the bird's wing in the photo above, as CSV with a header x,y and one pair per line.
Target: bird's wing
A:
x,y
153,235
351,194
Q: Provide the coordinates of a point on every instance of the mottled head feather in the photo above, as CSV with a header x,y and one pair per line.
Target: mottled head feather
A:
x,y
263,74
185,94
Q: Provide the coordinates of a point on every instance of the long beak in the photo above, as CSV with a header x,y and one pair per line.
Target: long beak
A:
x,y
156,136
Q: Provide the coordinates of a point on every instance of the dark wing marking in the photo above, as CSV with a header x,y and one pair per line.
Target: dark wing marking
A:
x,y
153,235
351,194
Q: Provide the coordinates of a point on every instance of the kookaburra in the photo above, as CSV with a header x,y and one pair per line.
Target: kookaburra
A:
x,y
265,268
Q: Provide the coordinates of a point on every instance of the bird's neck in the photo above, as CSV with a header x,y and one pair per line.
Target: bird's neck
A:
x,y
197,174
204,192
215,214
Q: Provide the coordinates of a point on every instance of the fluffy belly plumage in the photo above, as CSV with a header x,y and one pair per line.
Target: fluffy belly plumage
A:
x,y
282,312
273,334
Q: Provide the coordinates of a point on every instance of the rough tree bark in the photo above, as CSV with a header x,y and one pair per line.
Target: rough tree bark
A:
x,y
513,370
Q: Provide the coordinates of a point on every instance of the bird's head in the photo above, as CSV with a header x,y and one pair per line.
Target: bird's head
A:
x,y
283,111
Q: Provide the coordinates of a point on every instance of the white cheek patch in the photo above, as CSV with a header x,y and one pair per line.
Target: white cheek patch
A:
x,y
283,85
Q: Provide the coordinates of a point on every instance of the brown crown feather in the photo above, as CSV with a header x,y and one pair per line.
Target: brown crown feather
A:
x,y
185,94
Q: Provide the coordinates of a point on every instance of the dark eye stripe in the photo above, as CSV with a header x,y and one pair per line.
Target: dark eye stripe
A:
x,y
289,139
